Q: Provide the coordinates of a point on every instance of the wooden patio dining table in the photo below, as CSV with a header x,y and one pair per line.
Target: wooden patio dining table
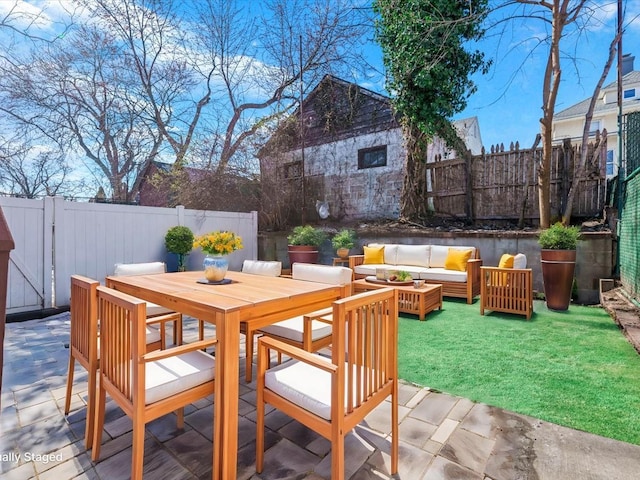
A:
x,y
248,297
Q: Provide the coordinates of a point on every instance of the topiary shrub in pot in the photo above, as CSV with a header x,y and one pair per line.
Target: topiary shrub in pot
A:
x,y
558,259
343,241
179,240
303,244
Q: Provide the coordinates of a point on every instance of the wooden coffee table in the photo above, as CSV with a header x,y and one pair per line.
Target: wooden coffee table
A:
x,y
418,301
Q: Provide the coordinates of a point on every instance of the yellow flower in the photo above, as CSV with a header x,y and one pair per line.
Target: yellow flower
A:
x,y
218,243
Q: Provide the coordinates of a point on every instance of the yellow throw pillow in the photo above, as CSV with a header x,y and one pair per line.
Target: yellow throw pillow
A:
x,y
457,259
373,255
506,261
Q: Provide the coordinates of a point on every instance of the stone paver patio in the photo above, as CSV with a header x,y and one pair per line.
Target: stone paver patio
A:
x,y
442,436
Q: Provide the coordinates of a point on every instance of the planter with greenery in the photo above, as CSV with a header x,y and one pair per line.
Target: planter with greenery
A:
x,y
558,260
303,244
343,241
179,240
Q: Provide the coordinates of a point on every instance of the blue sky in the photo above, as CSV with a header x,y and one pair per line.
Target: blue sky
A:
x,y
509,98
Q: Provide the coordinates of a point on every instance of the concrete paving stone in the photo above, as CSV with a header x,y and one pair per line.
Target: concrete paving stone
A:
x,y
166,427
8,419
16,471
190,448
33,395
275,420
444,430
468,450
298,433
48,435
247,431
320,446
417,398
416,432
118,426
481,421
247,454
380,417
443,469
461,409
434,408
432,447
202,421
413,462
46,462
112,447
287,460
407,391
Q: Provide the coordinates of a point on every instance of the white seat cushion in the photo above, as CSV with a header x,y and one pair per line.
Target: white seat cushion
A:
x,y
293,328
153,310
435,275
370,269
173,375
262,267
303,384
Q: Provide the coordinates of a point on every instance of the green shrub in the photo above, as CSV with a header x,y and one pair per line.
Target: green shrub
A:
x,y
559,237
307,235
344,239
179,240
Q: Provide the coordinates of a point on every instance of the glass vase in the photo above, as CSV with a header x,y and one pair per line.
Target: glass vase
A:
x,y
215,267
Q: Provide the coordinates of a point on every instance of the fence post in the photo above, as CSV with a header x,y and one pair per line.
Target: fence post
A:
x,y
6,245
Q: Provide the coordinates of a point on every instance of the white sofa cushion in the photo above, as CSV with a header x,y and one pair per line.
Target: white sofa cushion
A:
x,y
435,275
416,255
439,254
520,261
370,269
262,267
169,376
292,329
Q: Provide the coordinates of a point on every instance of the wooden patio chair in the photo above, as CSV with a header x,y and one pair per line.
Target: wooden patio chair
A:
x,y
508,287
83,344
146,385
156,314
331,396
311,331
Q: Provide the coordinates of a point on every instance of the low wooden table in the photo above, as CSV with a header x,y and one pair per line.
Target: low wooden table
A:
x,y
418,301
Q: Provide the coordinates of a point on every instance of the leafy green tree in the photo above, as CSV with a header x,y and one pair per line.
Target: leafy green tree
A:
x,y
425,53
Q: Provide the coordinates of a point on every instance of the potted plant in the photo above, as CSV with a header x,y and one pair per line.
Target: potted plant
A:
x,y
179,240
303,244
558,260
217,245
343,241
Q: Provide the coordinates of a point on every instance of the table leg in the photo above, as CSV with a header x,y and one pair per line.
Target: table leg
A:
x,y
225,422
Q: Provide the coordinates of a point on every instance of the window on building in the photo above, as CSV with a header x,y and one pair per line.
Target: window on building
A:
x,y
293,170
372,157
631,93
596,126
609,163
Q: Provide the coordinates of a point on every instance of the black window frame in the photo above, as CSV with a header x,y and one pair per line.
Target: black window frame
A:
x,y
363,153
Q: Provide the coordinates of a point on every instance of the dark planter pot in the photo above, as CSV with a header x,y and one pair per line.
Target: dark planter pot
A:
x,y
303,254
557,274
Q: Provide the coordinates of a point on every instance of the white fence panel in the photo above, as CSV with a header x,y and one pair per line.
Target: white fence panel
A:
x,y
55,238
30,275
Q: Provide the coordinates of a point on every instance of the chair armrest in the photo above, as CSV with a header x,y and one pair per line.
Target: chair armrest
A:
x,y
355,260
268,343
323,315
167,317
171,352
473,270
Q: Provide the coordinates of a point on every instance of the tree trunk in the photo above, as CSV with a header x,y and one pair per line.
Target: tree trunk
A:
x,y
413,201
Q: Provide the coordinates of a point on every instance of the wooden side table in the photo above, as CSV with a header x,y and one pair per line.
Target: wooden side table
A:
x,y
338,261
418,301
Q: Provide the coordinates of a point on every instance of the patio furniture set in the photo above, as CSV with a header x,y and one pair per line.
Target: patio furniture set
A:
x,y
115,337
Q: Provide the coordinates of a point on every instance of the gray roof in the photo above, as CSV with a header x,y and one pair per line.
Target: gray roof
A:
x,y
580,108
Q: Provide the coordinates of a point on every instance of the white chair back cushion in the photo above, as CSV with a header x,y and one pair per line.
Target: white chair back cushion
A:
x,y
149,268
321,273
262,267
413,255
390,252
520,261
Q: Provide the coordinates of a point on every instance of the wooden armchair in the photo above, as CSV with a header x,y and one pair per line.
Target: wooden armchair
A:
x,y
145,385
156,314
310,331
331,396
507,289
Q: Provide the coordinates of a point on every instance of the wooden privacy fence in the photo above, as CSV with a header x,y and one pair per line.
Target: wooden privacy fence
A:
x,y
55,238
503,185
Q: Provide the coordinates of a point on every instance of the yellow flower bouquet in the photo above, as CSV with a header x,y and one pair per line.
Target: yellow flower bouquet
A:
x,y
218,243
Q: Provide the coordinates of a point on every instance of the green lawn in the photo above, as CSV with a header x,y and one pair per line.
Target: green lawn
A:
x,y
572,368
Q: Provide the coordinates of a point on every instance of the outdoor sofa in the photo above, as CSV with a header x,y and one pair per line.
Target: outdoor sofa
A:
x,y
456,268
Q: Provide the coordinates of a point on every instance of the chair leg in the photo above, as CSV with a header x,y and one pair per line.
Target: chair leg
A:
x,y
248,370
200,329
177,331
67,400
91,409
260,414
137,453
180,418
99,426
337,456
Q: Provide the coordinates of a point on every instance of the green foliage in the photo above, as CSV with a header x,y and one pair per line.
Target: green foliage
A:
x,y
403,275
179,240
307,235
344,239
559,237
423,44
